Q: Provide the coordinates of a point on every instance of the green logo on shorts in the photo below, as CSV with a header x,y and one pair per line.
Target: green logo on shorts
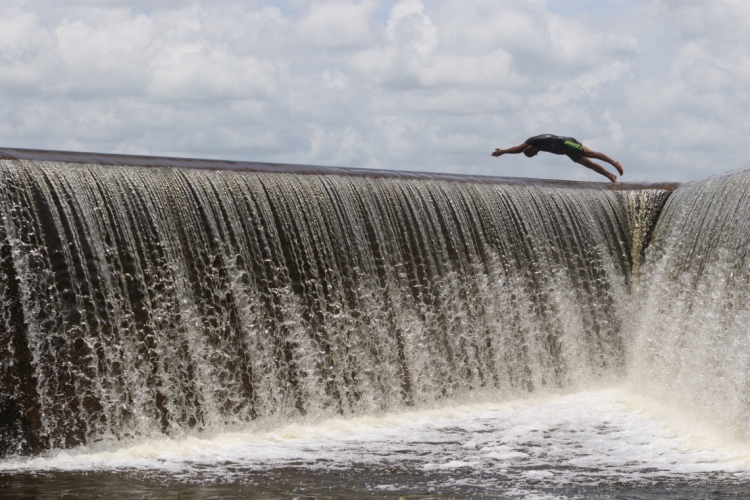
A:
x,y
574,145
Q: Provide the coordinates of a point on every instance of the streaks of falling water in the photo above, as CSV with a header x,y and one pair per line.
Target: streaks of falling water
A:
x,y
690,344
141,301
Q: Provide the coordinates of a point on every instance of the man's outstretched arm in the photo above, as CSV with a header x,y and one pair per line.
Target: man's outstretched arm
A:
x,y
510,151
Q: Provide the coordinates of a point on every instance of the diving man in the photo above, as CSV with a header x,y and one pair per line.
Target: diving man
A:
x,y
563,146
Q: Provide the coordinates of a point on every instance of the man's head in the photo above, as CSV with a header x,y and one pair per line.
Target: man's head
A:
x,y
530,151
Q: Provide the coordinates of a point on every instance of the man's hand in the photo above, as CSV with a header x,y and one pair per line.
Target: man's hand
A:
x,y
498,152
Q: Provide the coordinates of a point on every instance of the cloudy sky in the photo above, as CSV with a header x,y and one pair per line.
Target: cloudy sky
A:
x,y
431,85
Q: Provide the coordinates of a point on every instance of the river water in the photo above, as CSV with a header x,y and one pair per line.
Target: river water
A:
x,y
606,443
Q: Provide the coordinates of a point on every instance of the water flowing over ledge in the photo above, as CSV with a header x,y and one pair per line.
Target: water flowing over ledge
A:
x,y
690,341
279,168
168,300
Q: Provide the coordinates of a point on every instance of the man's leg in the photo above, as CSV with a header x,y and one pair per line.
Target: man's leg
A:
x,y
601,156
597,168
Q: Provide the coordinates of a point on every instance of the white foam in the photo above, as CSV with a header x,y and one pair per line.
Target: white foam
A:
x,y
557,439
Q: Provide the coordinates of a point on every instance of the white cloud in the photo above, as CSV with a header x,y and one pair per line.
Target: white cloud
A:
x,y
661,85
410,28
339,24
335,79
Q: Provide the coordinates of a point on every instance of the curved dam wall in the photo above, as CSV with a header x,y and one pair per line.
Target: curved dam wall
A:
x,y
145,296
690,341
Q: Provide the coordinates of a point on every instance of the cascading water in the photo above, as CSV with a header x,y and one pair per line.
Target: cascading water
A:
x,y
149,301
285,331
690,344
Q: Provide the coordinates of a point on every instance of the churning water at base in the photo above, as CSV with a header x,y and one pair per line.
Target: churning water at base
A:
x,y
597,444
235,334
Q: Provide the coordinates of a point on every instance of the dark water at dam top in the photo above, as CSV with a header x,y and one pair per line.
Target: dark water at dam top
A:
x,y
217,329
248,166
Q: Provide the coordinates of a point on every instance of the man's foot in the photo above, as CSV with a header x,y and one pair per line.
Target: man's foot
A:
x,y
612,177
618,167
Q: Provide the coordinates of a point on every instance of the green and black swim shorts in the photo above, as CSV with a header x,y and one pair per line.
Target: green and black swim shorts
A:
x,y
557,145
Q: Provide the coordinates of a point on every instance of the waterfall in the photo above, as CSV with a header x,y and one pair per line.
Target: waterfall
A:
x,y
690,343
147,301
